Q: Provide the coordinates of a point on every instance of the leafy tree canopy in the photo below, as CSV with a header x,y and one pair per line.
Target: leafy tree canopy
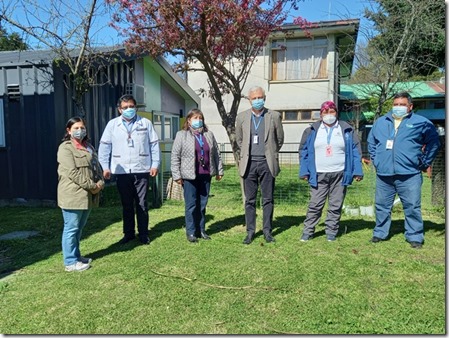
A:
x,y
424,23
11,41
219,37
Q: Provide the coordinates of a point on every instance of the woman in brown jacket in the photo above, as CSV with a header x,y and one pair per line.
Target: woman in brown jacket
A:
x,y
80,180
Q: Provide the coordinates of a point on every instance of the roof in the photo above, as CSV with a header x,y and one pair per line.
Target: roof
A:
x,y
417,89
43,56
324,24
26,57
432,114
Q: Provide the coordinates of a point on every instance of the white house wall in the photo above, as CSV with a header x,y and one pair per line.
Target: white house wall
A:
x,y
281,95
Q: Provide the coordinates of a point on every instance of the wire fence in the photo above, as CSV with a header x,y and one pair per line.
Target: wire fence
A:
x,y
289,189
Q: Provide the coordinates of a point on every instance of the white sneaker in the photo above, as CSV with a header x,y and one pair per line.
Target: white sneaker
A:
x,y
78,266
85,260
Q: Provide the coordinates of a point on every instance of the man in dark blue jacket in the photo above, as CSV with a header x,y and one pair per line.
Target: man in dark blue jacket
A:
x,y
330,158
401,145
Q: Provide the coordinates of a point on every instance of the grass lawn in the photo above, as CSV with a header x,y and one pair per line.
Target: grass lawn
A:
x,y
221,286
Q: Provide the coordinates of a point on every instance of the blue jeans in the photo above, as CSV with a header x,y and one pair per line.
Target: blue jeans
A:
x,y
74,222
196,195
408,188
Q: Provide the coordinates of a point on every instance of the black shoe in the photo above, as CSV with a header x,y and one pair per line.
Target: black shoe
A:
x,y
144,240
126,239
248,239
376,239
192,239
205,236
269,239
416,245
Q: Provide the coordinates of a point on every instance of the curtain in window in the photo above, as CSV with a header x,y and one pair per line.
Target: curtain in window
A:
x,y
301,60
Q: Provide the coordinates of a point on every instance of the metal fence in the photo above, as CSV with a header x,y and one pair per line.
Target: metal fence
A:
x,y
289,189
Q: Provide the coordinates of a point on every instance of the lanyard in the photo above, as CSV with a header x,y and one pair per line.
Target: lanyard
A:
x,y
256,126
128,126
199,138
329,134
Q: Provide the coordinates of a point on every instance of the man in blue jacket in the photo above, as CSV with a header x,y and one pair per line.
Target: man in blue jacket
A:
x,y
330,158
401,145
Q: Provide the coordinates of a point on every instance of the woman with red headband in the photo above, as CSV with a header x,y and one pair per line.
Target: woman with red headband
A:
x,y
330,158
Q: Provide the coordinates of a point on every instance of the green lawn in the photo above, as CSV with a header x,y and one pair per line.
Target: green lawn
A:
x,y
221,286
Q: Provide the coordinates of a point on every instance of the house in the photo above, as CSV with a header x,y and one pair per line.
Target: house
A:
x,y
35,106
428,100
298,74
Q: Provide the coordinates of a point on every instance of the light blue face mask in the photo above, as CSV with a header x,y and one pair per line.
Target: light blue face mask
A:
x,y
258,104
129,113
399,111
196,124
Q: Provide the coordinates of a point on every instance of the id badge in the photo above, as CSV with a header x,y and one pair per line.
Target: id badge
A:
x,y
389,144
256,139
130,142
328,151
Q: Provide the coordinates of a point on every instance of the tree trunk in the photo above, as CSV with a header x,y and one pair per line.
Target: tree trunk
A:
x,y
230,129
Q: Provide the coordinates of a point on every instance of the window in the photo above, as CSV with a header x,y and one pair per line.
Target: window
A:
x,y
300,115
439,104
2,125
299,59
166,125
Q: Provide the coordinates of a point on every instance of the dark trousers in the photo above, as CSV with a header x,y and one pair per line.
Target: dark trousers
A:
x,y
329,187
196,195
133,190
258,172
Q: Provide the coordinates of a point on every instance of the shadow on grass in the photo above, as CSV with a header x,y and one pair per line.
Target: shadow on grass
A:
x,y
154,232
166,226
283,223
20,253
225,224
397,227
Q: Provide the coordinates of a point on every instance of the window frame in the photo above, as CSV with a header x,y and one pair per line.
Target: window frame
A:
x,y
281,45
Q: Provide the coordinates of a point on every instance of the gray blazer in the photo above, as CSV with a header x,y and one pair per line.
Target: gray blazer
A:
x,y
274,139
183,156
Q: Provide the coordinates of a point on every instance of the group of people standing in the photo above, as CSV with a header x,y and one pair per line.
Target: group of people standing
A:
x,y
401,145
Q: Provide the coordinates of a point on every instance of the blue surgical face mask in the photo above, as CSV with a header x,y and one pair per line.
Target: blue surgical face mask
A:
x,y
79,134
258,104
400,111
196,124
129,113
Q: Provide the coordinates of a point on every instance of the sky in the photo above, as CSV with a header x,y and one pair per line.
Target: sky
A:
x,y
311,10
326,10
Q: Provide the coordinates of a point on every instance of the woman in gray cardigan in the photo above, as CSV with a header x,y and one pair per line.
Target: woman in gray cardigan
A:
x,y
194,160
80,180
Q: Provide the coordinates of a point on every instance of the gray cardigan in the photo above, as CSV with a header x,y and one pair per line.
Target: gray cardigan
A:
x,y
274,139
183,156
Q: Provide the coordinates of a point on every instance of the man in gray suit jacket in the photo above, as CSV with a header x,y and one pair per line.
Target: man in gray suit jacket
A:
x,y
260,136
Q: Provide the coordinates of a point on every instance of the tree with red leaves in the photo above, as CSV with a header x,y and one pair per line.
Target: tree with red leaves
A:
x,y
222,36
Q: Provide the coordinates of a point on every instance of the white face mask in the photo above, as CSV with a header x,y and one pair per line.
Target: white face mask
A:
x,y
329,119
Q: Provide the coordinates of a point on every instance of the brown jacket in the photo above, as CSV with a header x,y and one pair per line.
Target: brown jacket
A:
x,y
78,173
274,139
